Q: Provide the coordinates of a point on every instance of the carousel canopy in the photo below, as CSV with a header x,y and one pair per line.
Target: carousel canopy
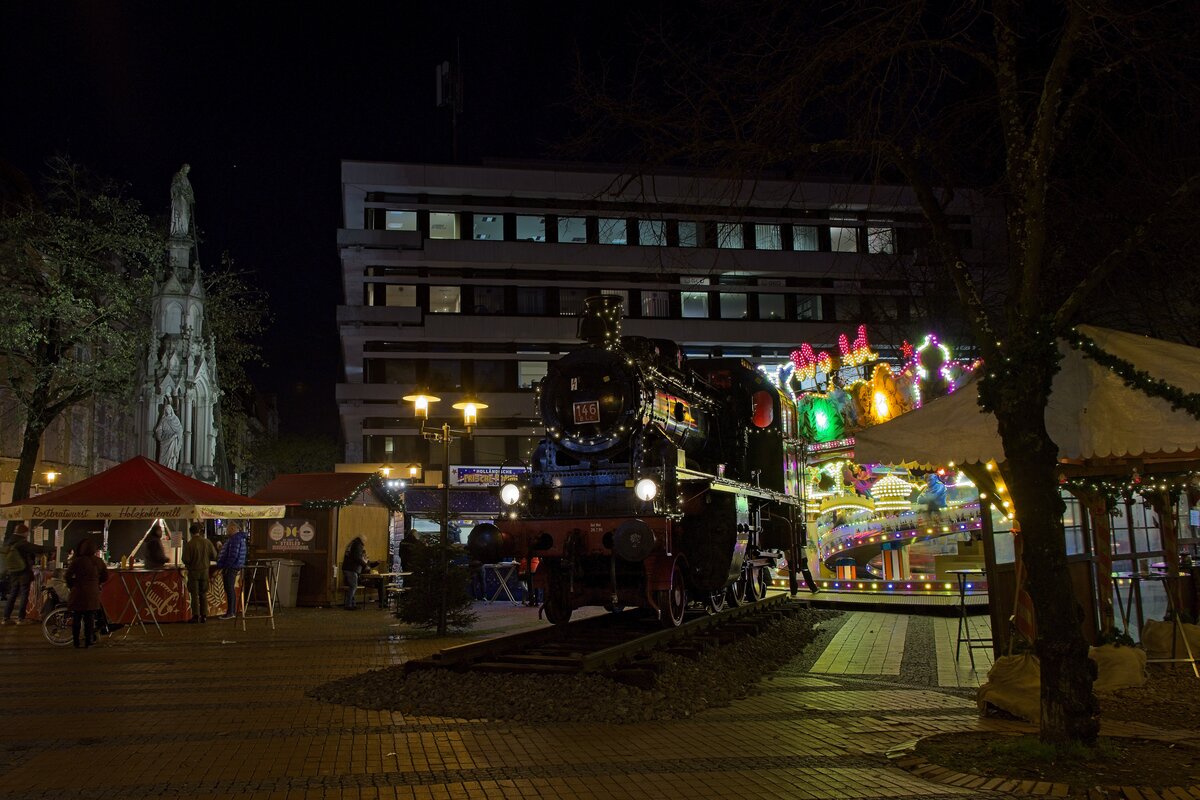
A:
x,y
140,489
1091,414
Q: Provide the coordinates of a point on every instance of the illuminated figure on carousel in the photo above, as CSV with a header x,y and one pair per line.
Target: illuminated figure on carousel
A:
x,y
933,498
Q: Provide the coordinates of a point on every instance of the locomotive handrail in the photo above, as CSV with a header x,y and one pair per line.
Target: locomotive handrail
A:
x,y
726,485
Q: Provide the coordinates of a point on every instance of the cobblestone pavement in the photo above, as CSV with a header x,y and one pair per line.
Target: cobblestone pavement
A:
x,y
214,712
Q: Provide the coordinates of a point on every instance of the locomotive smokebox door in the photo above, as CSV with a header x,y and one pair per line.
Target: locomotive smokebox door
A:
x,y
489,544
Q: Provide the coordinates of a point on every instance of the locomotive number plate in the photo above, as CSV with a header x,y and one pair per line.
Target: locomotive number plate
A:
x,y
587,411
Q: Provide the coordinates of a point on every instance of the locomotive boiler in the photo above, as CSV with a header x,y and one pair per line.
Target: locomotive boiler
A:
x,y
659,481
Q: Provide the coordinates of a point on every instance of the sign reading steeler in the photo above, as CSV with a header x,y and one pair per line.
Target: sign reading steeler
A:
x,y
587,411
291,536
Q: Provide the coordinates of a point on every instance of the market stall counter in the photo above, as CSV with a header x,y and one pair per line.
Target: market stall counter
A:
x,y
136,594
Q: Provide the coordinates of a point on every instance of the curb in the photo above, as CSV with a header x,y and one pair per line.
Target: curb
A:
x,y
904,757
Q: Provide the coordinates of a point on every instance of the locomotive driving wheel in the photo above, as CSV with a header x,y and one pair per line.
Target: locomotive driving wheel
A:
x,y
756,583
672,601
714,603
736,593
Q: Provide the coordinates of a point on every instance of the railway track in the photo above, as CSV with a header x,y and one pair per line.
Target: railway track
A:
x,y
607,642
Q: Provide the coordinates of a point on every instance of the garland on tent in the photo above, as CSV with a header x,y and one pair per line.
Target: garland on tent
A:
x,y
1136,378
390,498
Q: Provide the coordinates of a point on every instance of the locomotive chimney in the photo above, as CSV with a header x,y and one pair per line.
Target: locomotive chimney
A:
x,y
600,320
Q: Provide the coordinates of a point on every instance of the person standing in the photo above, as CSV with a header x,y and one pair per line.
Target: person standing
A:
x,y
85,573
198,553
231,561
353,563
19,554
155,556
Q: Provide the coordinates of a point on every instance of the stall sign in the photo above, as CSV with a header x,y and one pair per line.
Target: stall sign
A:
x,y
39,535
58,537
484,476
176,539
291,536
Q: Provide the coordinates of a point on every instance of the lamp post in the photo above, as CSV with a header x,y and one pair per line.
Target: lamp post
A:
x,y
444,434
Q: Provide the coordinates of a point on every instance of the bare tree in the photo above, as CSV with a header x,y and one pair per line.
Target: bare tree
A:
x,y
1080,116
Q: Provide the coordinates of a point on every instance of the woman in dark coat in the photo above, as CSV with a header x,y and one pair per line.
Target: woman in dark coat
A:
x,y
85,573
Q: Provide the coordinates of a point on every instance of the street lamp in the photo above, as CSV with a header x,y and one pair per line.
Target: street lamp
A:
x,y
444,434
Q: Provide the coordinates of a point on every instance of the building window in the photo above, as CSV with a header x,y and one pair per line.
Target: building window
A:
x,y
881,240
804,237
808,307
843,240
572,229
652,232
531,228
689,234
489,226
733,305
613,231
531,301
400,220
656,304
489,376
729,235
621,293
530,372
443,225
847,308
398,296
444,375
771,306
445,299
694,305
767,237
489,299
570,301
489,450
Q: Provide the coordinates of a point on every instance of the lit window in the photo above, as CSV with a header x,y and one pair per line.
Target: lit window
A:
x,y
572,229
443,225
400,296
804,237
612,231
656,304
445,299
531,228
767,237
729,235
694,304
401,220
489,226
843,240
689,234
771,306
881,240
733,305
530,372
652,232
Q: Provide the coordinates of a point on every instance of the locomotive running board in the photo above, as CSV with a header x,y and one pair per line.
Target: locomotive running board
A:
x,y
734,487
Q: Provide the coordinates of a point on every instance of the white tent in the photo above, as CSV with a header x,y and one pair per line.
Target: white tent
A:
x,y
1091,413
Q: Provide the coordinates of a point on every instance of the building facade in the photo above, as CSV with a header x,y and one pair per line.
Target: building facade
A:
x,y
469,279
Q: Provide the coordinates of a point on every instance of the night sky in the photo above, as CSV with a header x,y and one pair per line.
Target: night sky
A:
x,y
263,100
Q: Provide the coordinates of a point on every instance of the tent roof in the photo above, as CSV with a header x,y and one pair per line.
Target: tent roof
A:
x,y
140,489
1091,413
339,488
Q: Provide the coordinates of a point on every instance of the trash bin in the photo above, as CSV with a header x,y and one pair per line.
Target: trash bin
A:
x,y
289,582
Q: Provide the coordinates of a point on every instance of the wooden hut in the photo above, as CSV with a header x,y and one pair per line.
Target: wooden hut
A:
x,y
324,512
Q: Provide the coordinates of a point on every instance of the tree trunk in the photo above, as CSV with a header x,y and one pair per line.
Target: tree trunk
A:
x,y
31,443
1069,709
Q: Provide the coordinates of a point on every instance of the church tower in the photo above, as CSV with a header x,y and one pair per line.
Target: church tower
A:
x,y
177,423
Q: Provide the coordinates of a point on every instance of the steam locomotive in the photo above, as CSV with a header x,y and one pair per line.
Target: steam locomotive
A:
x,y
659,481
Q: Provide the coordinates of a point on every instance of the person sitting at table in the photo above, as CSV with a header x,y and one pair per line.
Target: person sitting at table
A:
x,y
155,556
85,573
354,561
198,553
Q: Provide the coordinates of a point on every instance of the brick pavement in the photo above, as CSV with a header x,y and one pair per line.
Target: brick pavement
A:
x,y
214,712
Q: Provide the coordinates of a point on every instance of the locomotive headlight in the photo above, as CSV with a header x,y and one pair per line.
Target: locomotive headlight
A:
x,y
645,489
510,494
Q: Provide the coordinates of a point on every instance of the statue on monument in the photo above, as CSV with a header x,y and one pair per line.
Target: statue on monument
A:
x,y
169,433
182,202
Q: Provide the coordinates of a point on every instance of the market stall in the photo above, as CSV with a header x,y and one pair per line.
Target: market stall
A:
x,y
144,491
325,511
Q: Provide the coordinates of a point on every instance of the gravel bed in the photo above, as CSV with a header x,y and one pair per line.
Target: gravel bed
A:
x,y
684,687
